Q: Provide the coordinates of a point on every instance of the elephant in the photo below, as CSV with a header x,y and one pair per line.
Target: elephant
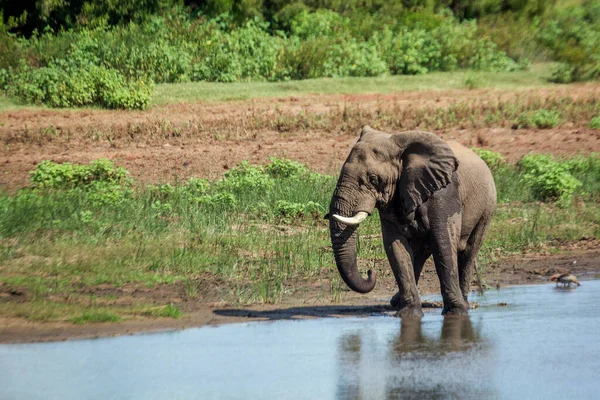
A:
x,y
433,197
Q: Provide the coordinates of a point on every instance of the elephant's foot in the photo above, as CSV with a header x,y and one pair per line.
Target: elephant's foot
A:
x,y
410,312
455,310
406,309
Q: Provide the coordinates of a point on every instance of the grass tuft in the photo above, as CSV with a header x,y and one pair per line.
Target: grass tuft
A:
x,y
95,317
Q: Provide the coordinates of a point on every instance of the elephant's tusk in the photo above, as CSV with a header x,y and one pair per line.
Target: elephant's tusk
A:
x,y
357,219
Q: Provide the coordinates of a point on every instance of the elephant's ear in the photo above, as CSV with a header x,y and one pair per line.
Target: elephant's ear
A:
x,y
427,166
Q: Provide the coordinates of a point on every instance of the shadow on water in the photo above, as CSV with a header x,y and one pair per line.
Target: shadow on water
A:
x,y
308,311
414,361
293,313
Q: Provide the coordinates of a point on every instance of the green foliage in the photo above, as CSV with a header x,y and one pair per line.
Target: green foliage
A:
x,y
494,161
540,119
49,174
550,180
217,200
64,85
246,53
290,211
587,171
572,37
246,177
473,82
116,66
284,168
562,73
595,122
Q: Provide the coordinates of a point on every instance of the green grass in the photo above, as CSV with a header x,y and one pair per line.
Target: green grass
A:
x,y
58,245
208,91
167,311
95,317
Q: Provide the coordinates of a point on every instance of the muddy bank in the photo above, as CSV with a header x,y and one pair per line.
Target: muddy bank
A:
x,y
581,258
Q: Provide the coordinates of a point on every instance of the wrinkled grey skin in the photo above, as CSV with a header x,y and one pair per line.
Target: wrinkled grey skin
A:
x,y
434,198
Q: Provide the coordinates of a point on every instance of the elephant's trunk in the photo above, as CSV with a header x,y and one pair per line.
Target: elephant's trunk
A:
x,y
343,239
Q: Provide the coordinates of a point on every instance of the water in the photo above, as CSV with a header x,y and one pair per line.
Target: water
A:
x,y
543,345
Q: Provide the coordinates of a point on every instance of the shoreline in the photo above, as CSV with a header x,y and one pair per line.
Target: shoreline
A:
x,y
506,274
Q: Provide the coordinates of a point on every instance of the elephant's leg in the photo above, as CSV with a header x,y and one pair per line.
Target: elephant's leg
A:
x,y
421,255
399,254
467,259
444,244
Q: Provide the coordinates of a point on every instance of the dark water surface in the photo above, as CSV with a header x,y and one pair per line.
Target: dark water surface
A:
x,y
544,345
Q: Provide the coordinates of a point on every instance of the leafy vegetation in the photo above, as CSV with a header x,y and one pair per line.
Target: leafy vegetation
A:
x,y
256,235
64,55
494,161
549,179
541,119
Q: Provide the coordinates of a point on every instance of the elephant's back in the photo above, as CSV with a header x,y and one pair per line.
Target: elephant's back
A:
x,y
476,186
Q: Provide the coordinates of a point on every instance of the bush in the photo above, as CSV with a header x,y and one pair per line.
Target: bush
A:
x,y
49,174
116,67
217,199
550,180
63,84
494,161
245,177
540,119
572,36
247,53
562,73
290,210
595,122
586,170
330,57
284,168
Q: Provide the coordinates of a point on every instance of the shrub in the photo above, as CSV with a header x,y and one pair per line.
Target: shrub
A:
x,y
473,82
218,199
541,119
572,37
107,194
62,84
245,177
284,168
550,180
291,210
595,122
196,186
49,174
494,160
562,73
330,57
247,53
586,170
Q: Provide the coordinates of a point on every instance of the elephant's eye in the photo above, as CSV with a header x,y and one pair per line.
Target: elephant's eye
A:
x,y
374,179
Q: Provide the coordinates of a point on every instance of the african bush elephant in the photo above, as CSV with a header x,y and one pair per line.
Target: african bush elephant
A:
x,y
434,198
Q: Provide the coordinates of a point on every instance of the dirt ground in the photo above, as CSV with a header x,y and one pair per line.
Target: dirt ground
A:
x,y
205,139
137,141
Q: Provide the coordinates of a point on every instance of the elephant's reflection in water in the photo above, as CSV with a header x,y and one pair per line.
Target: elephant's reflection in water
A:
x,y
457,334
415,363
